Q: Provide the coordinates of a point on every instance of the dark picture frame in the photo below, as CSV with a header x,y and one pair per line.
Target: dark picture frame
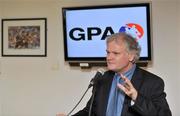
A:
x,y
24,37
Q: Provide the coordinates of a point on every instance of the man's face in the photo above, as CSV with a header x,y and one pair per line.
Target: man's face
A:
x,y
118,59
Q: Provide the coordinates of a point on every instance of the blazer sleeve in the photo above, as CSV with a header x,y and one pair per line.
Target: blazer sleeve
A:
x,y
155,103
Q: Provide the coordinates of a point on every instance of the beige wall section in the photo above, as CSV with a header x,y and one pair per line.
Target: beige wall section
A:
x,y
166,49
178,23
44,86
178,38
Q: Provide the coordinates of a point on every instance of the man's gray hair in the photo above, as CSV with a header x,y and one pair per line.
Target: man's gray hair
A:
x,y
131,43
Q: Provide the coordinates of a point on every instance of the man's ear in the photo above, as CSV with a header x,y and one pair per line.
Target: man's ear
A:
x,y
131,57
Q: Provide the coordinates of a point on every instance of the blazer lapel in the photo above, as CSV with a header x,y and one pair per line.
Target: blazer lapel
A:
x,y
106,89
137,78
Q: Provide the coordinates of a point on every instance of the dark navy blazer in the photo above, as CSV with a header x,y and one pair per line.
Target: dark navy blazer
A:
x,y
151,100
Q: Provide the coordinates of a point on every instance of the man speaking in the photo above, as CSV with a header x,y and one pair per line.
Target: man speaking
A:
x,y
126,89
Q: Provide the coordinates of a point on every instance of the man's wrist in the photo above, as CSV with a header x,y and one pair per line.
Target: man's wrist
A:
x,y
134,97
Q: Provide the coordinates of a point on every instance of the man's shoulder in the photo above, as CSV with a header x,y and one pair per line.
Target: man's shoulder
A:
x,y
147,74
109,72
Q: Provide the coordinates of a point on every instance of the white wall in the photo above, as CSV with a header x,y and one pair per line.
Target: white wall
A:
x,y
43,86
166,49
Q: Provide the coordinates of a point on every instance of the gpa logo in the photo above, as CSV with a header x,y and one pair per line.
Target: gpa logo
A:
x,y
81,34
133,29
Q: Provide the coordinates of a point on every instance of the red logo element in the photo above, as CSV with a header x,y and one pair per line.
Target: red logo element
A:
x,y
133,29
136,29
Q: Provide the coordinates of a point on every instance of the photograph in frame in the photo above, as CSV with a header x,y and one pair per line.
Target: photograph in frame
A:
x,y
24,37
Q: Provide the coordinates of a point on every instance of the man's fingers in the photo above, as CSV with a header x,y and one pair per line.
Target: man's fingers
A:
x,y
127,82
122,87
128,88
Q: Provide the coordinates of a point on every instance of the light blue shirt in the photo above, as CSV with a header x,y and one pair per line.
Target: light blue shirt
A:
x,y
116,96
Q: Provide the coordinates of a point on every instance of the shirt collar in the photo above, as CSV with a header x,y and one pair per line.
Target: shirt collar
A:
x,y
128,73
